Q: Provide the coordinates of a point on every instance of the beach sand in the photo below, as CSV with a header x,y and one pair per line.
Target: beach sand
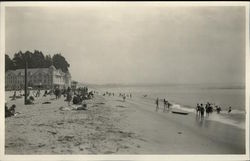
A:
x,y
111,126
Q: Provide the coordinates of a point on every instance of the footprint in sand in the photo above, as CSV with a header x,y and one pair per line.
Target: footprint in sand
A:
x,y
41,145
108,152
121,106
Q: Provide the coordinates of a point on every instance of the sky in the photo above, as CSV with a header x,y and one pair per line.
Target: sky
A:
x,y
135,43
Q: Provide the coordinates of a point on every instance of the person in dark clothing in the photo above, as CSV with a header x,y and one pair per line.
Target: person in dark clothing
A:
x,y
202,110
124,98
198,109
164,105
10,111
45,93
7,111
157,104
218,109
57,92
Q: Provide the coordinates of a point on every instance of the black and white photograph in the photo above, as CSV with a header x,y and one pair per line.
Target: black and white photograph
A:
x,y
125,78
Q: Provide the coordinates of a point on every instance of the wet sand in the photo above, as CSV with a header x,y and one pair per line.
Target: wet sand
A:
x,y
111,126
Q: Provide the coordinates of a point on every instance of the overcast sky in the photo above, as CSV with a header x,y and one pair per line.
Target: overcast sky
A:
x,y
135,43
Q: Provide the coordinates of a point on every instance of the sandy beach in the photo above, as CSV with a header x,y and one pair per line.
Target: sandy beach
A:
x,y
111,126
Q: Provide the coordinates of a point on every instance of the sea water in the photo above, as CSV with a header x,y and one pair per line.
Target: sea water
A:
x,y
185,97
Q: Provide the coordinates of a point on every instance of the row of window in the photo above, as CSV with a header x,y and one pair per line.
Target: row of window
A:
x,y
13,77
34,80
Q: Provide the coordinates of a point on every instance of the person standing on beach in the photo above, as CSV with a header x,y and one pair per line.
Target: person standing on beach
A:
x,y
229,109
164,104
198,109
202,110
168,105
57,92
69,95
218,109
157,104
14,95
207,109
124,98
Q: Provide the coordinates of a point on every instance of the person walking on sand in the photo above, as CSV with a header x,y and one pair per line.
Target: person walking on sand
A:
x,y
157,104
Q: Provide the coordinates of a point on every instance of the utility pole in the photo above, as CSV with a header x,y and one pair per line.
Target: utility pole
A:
x,y
25,82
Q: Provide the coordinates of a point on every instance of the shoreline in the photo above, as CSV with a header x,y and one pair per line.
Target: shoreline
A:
x,y
111,126
223,117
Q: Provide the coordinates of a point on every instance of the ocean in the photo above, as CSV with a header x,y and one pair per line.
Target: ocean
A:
x,y
186,97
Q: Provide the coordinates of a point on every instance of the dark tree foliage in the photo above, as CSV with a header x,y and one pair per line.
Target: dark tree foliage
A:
x,y
48,61
60,62
8,63
35,60
18,60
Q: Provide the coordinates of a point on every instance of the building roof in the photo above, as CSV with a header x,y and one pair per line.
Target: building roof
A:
x,y
29,70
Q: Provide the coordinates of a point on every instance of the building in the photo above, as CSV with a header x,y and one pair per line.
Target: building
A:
x,y
37,77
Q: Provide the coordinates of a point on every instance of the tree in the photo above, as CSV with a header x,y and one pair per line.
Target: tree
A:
x,y
60,62
48,61
9,65
18,60
36,60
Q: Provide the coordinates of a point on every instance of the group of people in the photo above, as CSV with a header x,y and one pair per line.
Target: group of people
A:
x,y
108,94
77,95
200,109
166,104
81,94
208,108
15,95
123,95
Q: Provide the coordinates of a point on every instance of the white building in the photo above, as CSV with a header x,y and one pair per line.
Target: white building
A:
x,y
37,77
